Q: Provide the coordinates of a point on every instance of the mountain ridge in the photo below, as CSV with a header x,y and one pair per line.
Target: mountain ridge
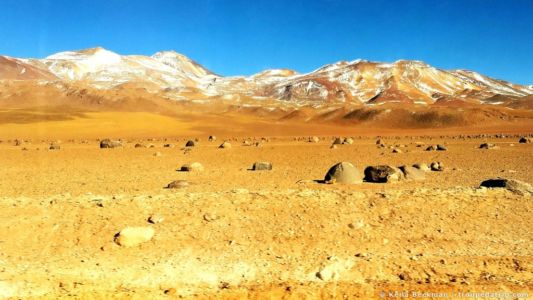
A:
x,y
174,76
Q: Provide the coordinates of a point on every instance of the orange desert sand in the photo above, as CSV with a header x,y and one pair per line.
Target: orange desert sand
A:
x,y
87,223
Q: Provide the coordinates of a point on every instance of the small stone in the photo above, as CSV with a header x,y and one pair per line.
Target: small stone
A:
x,y
155,219
178,184
225,145
193,167
133,236
107,143
263,165
209,217
437,166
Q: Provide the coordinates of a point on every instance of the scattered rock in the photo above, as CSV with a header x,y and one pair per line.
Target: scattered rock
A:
x,y
348,141
343,172
488,146
225,145
441,147
54,146
192,167
525,140
212,138
422,166
333,146
178,184
383,174
107,143
168,145
155,219
209,217
437,166
139,146
396,150
431,148
513,185
190,143
412,173
262,165
170,291
157,154
314,139
132,236
337,141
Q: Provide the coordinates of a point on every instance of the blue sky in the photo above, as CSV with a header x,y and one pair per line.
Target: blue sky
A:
x,y
244,37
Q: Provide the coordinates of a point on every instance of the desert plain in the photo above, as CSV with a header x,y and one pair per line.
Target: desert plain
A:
x,y
231,232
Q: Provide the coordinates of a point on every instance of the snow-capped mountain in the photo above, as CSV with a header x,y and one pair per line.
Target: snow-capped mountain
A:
x,y
175,77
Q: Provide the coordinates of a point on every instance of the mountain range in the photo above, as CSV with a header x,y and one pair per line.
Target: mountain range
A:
x,y
98,76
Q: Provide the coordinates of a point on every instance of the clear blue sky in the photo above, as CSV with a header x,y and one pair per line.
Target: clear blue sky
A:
x,y
244,37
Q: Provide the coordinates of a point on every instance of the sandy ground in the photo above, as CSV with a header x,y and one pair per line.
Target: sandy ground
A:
x,y
236,233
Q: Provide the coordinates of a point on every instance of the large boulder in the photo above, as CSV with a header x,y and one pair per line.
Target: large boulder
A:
x,y
107,143
262,166
133,236
412,173
383,174
343,172
513,185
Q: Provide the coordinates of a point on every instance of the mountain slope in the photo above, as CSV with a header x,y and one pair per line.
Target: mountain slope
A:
x,y
172,76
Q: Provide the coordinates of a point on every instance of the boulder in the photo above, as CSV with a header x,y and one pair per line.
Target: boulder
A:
x,y
168,145
139,146
412,173
107,143
192,167
513,185
212,138
441,147
343,172
431,148
314,139
262,166
383,174
348,141
190,143
133,236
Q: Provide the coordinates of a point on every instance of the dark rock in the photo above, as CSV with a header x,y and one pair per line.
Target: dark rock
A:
x,y
382,174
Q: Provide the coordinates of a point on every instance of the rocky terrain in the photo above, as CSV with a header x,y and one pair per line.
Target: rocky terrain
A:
x,y
98,219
